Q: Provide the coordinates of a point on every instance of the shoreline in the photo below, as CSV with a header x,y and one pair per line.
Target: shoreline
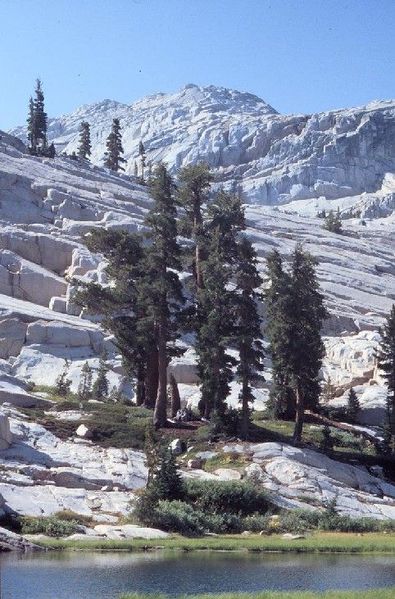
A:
x,y
352,543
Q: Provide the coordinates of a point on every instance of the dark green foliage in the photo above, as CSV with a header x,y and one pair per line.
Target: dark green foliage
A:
x,y
167,482
37,124
247,333
85,384
193,189
327,439
278,331
215,327
63,384
353,406
203,506
117,425
386,362
236,497
113,158
333,222
51,526
122,305
161,287
100,386
84,143
295,313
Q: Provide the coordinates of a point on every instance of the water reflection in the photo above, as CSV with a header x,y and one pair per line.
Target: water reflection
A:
x,y
107,575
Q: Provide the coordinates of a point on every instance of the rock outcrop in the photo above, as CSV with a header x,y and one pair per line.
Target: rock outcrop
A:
x,y
275,158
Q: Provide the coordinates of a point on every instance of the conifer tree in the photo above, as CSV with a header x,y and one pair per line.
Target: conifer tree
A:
x,y
295,312
113,158
37,123
142,159
386,362
84,145
247,335
30,128
307,348
333,222
215,328
194,183
278,331
100,386
353,406
85,384
63,384
163,289
122,305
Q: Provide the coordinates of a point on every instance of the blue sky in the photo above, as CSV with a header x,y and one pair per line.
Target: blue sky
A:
x,y
298,55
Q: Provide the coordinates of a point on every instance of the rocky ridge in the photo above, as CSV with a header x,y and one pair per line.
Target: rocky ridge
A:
x,y
47,205
278,158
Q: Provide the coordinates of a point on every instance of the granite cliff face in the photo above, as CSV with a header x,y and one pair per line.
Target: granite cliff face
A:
x,y
291,168
275,158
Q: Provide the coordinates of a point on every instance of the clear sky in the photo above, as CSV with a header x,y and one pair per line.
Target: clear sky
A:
x,y
298,55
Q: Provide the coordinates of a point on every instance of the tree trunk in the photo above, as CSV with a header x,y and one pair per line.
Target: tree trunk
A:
x,y
245,415
175,396
140,392
160,411
313,417
299,416
151,379
197,225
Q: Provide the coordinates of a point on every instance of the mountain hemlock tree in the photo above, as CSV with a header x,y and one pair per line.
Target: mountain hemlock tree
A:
x,y
37,123
113,158
100,386
163,287
193,188
62,383
278,331
386,362
84,145
307,348
247,328
85,384
215,304
122,305
296,312
142,159
333,222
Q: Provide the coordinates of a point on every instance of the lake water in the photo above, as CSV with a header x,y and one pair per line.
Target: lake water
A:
x,y
107,575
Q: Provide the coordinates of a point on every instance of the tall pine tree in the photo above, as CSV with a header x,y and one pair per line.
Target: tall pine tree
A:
x,y
84,144
37,123
194,183
386,362
295,313
247,334
214,333
163,288
113,158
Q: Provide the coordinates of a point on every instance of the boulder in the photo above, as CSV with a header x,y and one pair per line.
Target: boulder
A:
x,y
12,336
83,432
177,447
10,541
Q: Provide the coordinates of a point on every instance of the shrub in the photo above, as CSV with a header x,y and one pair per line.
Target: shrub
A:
x,y
181,517
51,526
234,497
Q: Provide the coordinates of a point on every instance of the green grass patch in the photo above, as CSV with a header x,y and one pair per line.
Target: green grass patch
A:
x,y
316,543
359,594
388,593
